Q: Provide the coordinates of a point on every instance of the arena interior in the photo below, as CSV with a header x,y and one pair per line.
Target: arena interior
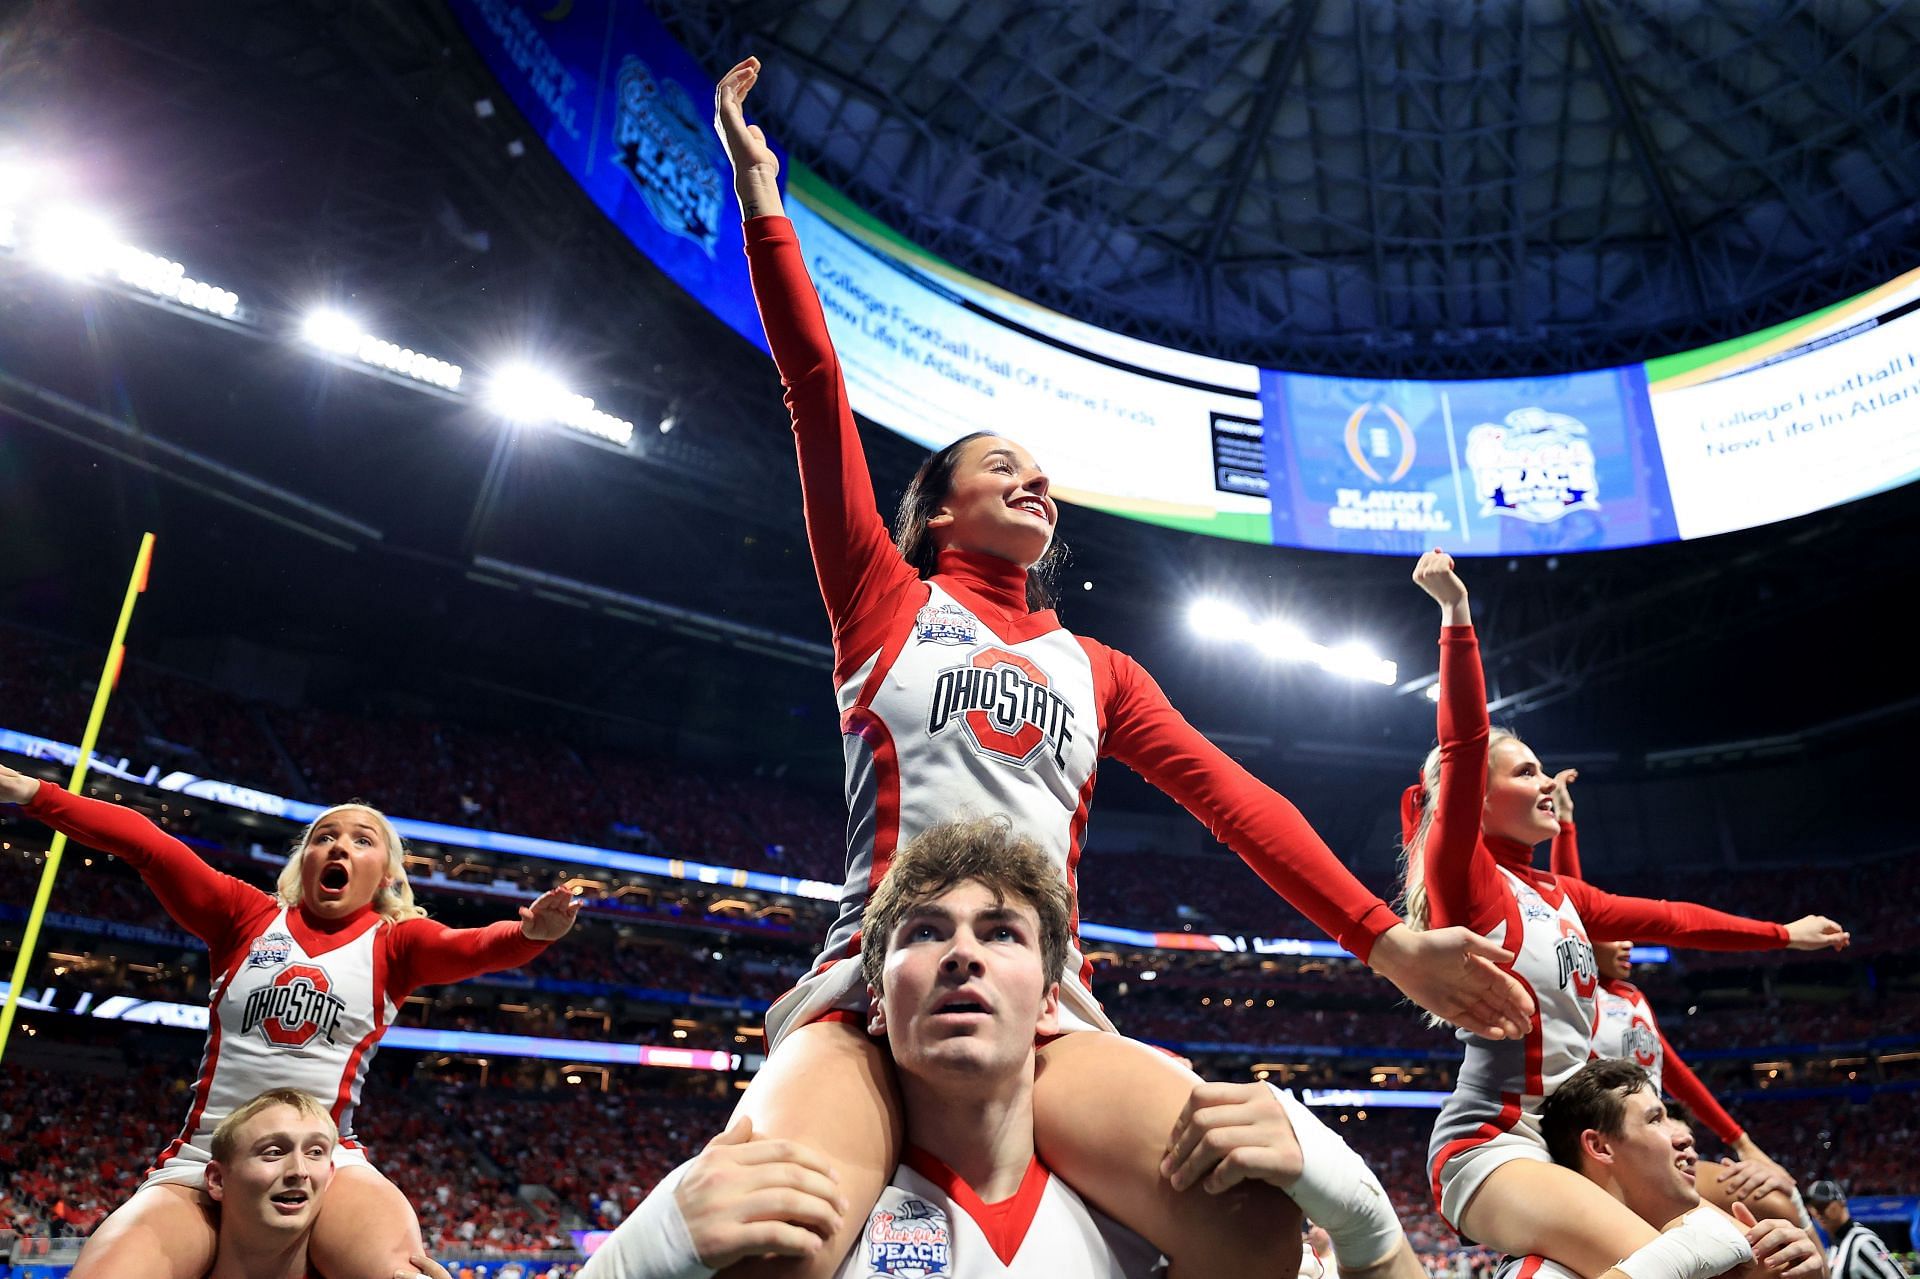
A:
x,y
267,271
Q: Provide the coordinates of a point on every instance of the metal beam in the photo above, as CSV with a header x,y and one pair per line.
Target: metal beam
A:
x,y
1253,135
1607,62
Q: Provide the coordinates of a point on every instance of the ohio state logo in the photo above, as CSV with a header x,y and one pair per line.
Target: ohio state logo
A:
x,y
1004,704
1575,959
296,1005
1641,1044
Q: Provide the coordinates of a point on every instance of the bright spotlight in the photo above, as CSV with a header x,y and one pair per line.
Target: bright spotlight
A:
x,y
22,179
331,331
1217,619
72,242
337,334
522,393
1283,641
1355,662
1433,692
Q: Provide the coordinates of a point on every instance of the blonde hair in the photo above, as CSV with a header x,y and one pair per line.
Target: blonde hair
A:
x,y
1413,854
227,1134
394,902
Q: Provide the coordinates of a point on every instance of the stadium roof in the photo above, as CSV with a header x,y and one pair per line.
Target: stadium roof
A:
x,y
306,150
1397,186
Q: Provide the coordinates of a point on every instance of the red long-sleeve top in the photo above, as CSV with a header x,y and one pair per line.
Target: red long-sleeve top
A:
x,y
1676,1077
228,913
1462,864
894,631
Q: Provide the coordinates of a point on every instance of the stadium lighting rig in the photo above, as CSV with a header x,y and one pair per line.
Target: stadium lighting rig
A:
x,y
79,244
1282,641
523,393
40,229
331,331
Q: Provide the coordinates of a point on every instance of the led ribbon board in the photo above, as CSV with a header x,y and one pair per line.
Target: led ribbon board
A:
x,y
1800,417
446,834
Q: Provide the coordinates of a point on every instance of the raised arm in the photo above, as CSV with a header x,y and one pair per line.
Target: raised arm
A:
x,y
1566,845
1449,972
428,953
212,906
853,556
1462,882
1609,917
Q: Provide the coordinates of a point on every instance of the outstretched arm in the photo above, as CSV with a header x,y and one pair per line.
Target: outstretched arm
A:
x,y
1450,972
428,953
212,906
853,556
1609,917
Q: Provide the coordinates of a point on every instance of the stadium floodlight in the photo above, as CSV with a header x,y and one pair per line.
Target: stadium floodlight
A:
x,y
331,331
1283,641
22,178
341,335
72,242
82,245
1218,619
1433,692
1355,662
522,393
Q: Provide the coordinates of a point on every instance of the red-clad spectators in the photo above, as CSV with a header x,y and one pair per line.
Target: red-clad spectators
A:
x,y
71,1149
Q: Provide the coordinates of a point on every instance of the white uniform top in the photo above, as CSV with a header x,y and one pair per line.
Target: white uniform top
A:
x,y
1555,962
928,1224
1624,1031
289,1019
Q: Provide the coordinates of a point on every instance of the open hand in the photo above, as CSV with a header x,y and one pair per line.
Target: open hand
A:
x,y
1816,932
1455,974
551,914
756,170
17,788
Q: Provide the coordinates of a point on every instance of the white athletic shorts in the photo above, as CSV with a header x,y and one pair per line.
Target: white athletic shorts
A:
x,y
840,991
1476,1133
188,1167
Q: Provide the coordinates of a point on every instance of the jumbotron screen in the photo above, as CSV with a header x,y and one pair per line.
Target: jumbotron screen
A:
x,y
1806,415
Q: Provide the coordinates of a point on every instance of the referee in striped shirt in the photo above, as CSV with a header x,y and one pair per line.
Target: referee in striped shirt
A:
x,y
1857,1253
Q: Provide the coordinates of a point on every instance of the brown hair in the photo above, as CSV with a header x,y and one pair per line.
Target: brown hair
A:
x,y
227,1135
921,502
987,851
1595,1097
